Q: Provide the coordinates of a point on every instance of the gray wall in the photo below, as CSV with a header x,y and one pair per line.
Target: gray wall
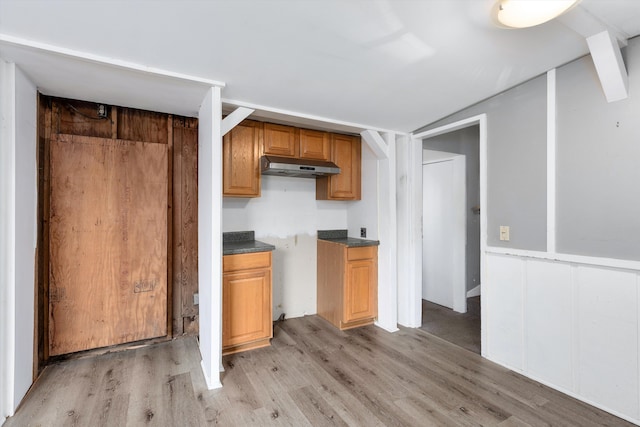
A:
x,y
466,142
516,162
598,163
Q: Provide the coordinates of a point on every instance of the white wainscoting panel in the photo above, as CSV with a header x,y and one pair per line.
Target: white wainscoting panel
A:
x,y
505,276
608,337
548,315
572,326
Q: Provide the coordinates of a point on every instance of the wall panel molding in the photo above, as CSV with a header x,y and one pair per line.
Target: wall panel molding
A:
x,y
578,329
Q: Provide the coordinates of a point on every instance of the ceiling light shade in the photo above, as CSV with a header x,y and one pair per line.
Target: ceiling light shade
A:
x,y
529,13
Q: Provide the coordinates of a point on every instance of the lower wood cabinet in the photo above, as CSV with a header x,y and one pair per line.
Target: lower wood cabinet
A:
x,y
246,302
347,284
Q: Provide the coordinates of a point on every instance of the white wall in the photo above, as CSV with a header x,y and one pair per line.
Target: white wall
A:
x,y
18,234
570,325
288,216
567,315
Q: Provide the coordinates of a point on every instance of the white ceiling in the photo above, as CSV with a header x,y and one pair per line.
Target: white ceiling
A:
x,y
390,64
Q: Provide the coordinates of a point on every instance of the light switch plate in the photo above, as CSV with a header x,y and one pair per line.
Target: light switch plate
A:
x,y
504,233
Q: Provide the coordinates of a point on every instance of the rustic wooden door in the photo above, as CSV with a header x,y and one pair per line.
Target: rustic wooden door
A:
x,y
107,242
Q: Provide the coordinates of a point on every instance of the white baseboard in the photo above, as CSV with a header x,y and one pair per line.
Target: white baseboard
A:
x,y
475,292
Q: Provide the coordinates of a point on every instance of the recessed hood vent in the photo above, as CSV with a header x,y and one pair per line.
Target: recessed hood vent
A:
x,y
301,168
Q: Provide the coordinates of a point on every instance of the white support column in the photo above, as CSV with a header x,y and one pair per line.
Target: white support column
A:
x,y
234,119
210,235
551,161
409,220
387,233
609,65
18,234
7,238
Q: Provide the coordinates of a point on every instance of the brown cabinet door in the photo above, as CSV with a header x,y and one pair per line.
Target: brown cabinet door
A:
x,y
280,140
241,160
360,292
246,309
314,145
346,153
107,241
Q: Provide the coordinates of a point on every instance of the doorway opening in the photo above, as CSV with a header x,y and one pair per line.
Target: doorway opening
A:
x,y
451,237
117,228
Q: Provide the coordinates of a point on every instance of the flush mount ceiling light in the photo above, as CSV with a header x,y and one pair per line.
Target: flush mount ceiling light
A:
x,y
529,13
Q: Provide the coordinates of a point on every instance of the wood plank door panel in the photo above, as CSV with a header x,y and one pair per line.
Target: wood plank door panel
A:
x,y
108,242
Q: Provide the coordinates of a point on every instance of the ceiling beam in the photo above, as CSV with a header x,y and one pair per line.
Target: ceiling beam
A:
x,y
234,119
376,143
610,66
586,24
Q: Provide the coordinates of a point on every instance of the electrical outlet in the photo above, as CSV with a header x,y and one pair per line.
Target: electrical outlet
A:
x,y
196,299
504,233
363,232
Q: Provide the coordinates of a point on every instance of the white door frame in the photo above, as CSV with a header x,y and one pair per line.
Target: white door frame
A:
x,y
459,237
414,313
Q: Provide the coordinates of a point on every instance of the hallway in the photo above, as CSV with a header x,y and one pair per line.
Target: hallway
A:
x,y
462,330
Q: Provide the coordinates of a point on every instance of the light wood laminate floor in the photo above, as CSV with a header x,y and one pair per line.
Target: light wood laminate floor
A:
x,y
312,374
457,328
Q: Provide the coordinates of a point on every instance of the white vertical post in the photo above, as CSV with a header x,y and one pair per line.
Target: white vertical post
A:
x,y
7,238
387,226
551,161
409,218
18,234
415,232
210,235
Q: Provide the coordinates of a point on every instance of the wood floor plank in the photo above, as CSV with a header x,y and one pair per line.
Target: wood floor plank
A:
x,y
180,401
312,374
315,408
513,422
424,413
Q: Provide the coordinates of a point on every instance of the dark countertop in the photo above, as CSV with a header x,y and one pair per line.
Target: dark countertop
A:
x,y
340,237
243,242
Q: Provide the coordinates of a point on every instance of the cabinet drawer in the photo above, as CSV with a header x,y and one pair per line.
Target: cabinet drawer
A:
x,y
365,252
246,261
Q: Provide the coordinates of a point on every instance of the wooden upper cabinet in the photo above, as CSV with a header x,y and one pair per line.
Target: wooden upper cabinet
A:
x,y
314,145
280,140
346,152
241,160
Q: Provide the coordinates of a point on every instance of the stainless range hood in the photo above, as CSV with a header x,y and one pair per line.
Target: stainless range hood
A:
x,y
301,168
